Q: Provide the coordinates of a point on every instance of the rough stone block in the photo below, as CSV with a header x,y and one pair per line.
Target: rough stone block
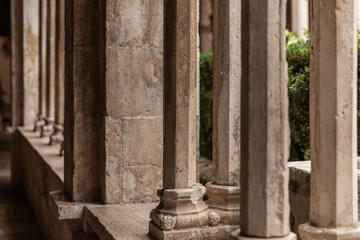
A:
x,y
134,81
141,182
134,23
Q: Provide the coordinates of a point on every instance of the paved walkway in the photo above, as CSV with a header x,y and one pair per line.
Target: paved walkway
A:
x,y
16,219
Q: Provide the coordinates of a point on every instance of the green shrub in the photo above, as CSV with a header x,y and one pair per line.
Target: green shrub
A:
x,y
206,100
298,58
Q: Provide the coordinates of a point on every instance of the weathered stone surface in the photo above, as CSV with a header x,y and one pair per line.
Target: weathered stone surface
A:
x,y
310,232
50,58
134,86
43,171
120,222
299,194
265,135
117,119
235,236
226,89
180,77
60,62
42,57
333,196
17,63
134,23
31,60
225,200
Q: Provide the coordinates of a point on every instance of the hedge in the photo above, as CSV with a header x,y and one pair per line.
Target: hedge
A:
x,y
298,58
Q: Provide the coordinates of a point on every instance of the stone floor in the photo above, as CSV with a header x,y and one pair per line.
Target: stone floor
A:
x,y
16,219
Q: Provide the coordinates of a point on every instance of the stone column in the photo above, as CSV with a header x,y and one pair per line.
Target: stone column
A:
x,y
206,25
17,67
181,206
57,135
224,190
300,17
265,133
83,102
50,68
31,60
42,65
113,103
333,124
357,7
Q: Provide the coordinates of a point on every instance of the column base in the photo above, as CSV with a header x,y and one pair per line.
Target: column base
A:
x,y
206,232
47,128
237,236
39,123
224,200
308,232
182,213
57,136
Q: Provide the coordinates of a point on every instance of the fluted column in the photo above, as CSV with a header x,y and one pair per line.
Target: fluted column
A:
x,y
333,123
57,135
265,134
224,190
300,17
50,68
42,65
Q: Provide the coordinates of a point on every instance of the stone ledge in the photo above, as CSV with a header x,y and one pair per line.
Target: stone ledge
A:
x,y
115,222
50,154
299,193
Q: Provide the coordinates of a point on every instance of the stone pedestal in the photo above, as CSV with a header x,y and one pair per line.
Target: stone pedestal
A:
x,y
309,232
39,123
238,236
225,201
47,128
181,208
57,136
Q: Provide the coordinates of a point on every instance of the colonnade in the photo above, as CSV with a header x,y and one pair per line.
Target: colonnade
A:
x,y
119,78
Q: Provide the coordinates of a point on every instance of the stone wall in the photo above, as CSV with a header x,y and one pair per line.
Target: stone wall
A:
x,y
42,172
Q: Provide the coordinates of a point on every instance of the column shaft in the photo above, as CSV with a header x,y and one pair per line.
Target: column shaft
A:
x,y
300,16
50,59
60,62
180,74
31,60
206,25
265,135
333,114
17,64
224,190
333,123
43,59
83,100
226,93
